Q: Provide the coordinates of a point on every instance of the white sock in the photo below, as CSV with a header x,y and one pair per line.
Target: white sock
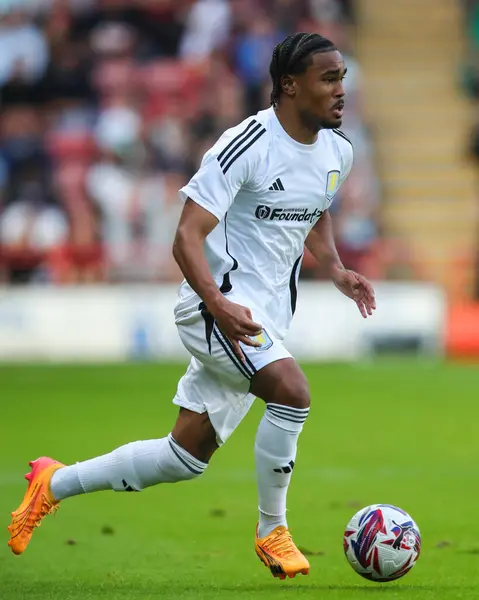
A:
x,y
275,453
129,468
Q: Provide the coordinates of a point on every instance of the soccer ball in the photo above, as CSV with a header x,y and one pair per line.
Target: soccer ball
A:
x,y
382,542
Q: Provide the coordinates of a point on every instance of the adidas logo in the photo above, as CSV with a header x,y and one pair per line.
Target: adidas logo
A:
x,y
287,469
127,487
277,186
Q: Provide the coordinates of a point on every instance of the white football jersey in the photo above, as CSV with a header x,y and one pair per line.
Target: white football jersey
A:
x,y
267,192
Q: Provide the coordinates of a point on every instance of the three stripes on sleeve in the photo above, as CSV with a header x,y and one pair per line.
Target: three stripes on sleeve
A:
x,y
240,144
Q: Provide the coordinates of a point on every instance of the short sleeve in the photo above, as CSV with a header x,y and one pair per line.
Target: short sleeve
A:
x,y
228,166
347,163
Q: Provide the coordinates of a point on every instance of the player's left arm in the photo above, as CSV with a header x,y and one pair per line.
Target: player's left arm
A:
x,y
320,242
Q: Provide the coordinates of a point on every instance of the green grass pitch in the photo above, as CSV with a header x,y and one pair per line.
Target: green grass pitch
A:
x,y
400,432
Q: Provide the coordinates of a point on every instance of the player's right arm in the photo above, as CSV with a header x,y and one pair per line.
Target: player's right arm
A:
x,y
230,164
234,320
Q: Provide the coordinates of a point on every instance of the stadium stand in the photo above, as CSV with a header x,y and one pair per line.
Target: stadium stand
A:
x,y
107,108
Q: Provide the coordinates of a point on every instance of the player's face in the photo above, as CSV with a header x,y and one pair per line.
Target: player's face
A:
x,y
320,91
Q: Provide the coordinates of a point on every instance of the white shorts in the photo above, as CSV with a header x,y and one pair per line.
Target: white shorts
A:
x,y
216,381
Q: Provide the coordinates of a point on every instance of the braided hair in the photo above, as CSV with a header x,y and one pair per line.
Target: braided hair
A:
x,y
292,57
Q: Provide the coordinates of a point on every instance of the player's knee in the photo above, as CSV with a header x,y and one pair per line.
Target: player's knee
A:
x,y
182,464
182,473
180,470
195,434
294,393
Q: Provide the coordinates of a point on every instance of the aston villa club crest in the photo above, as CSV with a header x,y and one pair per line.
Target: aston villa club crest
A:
x,y
332,184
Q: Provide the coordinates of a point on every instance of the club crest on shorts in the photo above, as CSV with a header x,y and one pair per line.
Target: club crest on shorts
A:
x,y
264,339
332,184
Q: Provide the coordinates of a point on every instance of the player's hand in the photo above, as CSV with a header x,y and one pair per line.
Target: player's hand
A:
x,y
358,288
236,323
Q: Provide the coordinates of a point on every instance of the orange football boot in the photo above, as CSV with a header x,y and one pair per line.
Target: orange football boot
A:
x,y
280,554
37,503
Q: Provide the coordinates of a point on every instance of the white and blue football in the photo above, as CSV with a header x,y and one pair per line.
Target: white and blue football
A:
x,y
382,542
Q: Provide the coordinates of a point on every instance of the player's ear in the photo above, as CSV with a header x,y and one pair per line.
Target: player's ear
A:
x,y
288,85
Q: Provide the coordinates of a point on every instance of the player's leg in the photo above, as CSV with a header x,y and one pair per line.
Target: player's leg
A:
x,y
283,386
145,463
275,377
195,434
213,398
183,454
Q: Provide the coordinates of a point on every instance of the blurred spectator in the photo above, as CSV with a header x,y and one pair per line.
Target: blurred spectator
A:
x,y
108,107
80,259
32,222
207,28
23,49
24,56
252,58
471,71
472,65
471,82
